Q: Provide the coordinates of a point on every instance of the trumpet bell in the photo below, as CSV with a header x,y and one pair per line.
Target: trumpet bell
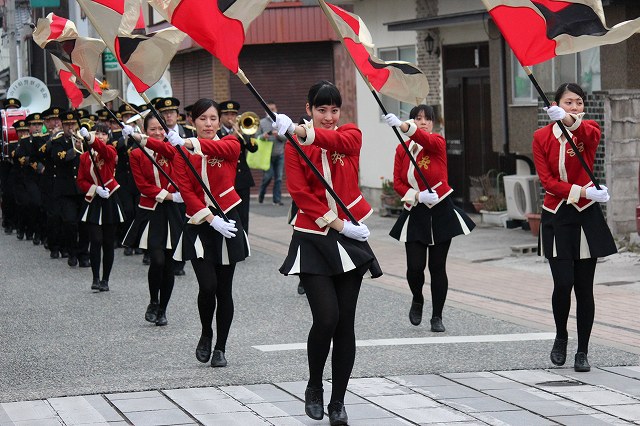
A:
x,y
249,122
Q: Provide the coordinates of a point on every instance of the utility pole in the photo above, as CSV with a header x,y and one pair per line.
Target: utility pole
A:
x,y
11,30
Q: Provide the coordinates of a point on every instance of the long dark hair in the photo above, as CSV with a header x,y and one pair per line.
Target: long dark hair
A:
x,y
569,87
429,114
201,105
324,93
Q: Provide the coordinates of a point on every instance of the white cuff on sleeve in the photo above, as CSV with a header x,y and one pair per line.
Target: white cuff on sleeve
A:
x,y
574,194
91,193
160,196
311,134
412,128
197,148
326,219
200,216
410,197
143,140
578,118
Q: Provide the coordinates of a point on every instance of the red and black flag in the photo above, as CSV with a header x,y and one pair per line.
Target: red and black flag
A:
x,y
219,26
79,96
143,57
59,37
397,79
538,30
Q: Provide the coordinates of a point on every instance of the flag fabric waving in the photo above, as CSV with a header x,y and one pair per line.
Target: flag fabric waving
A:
x,y
144,58
397,79
219,26
59,37
538,30
80,97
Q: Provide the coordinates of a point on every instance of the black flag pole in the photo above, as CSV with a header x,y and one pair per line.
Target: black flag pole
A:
x,y
297,147
564,130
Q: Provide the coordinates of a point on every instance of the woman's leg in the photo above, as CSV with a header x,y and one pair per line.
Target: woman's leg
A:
x,y
205,272
155,275
347,288
95,238
563,279
168,279
439,281
224,314
108,243
416,264
584,271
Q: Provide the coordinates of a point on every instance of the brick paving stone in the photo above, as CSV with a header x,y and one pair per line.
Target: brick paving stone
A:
x,y
76,410
480,404
234,419
39,422
173,416
212,406
514,418
196,394
133,395
395,402
433,415
104,408
143,404
448,392
269,392
28,410
367,411
427,380
376,387
590,420
598,397
629,412
267,409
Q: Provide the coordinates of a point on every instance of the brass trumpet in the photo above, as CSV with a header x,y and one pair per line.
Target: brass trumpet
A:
x,y
249,122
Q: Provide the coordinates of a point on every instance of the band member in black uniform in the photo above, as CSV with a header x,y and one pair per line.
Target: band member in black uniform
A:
x,y
102,211
244,179
573,231
429,220
11,103
27,189
65,152
10,173
158,222
328,251
213,245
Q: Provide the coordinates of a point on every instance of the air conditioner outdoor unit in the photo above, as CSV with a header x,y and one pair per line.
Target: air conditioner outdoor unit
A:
x,y
521,193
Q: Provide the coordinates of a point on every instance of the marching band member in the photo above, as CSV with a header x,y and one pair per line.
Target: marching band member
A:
x,y
158,221
213,245
102,210
10,172
328,252
573,230
429,220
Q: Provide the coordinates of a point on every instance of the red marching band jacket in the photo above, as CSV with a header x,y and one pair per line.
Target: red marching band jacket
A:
x,y
215,161
105,158
561,173
153,185
430,153
336,154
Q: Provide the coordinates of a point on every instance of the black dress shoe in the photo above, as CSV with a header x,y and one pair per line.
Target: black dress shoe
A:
x,y
36,241
415,313
581,364
300,288
8,230
72,261
95,285
179,272
203,350
436,325
55,254
218,359
314,403
161,319
20,235
138,251
128,251
146,260
152,312
104,285
337,414
85,263
559,352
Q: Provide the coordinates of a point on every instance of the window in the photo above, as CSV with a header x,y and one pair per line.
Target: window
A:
x,y
404,53
582,68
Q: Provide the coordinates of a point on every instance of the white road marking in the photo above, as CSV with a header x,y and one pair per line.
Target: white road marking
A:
x,y
486,338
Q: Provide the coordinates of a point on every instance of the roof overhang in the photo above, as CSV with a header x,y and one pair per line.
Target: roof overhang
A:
x,y
438,21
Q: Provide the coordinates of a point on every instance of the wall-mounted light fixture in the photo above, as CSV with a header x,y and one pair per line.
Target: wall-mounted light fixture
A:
x,y
432,45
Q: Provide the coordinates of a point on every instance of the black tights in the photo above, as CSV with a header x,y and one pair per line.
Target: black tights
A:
x,y
161,276
333,306
416,264
215,282
102,238
576,274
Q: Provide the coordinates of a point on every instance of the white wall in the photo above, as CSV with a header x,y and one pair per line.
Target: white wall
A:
x,y
379,141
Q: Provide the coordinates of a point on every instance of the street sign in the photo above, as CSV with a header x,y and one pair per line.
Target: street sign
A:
x,y
110,61
45,3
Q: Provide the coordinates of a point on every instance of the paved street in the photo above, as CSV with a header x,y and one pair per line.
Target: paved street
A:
x,y
70,356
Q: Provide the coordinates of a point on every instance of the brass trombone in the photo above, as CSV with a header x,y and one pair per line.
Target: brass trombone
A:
x,y
249,122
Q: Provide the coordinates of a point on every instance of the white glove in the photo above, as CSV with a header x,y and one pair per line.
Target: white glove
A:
x,y
283,124
227,229
599,195
84,132
177,197
392,120
360,232
103,192
555,113
127,130
174,138
426,197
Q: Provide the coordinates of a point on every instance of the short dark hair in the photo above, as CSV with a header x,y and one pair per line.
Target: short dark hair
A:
x,y
569,87
201,105
102,128
426,109
324,93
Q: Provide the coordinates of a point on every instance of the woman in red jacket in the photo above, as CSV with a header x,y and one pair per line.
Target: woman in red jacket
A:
x,y
103,211
213,245
574,232
327,251
429,219
158,221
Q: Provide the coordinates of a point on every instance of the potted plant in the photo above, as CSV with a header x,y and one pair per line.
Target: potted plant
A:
x,y
489,199
533,218
390,201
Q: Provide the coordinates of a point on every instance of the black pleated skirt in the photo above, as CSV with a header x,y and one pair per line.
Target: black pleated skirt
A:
x,y
156,229
204,242
433,225
329,255
571,234
103,211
